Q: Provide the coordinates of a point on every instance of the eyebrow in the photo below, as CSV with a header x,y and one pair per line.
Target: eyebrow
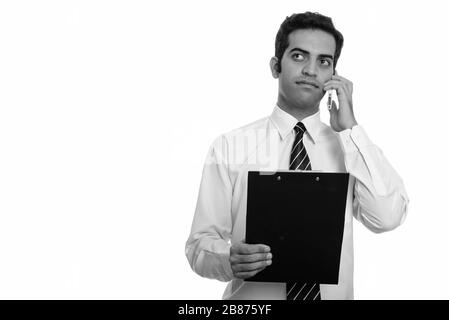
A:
x,y
307,52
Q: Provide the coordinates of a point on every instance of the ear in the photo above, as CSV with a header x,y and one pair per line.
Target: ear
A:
x,y
274,66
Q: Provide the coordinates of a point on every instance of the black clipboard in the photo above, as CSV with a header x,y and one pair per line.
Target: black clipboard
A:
x,y
301,216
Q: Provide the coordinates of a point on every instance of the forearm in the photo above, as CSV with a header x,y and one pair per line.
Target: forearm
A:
x,y
380,199
207,248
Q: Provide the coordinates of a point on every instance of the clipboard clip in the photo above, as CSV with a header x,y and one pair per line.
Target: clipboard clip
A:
x,y
279,178
270,173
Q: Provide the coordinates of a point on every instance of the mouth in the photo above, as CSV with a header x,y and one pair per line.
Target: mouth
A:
x,y
307,83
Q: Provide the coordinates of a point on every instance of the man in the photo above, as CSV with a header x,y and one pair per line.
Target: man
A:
x,y
307,49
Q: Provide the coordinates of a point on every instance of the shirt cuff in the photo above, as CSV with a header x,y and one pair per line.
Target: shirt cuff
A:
x,y
227,264
352,140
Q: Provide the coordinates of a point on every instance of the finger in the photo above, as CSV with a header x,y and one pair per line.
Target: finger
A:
x,y
248,267
244,248
340,78
245,275
347,83
335,86
334,82
333,110
246,258
334,117
338,86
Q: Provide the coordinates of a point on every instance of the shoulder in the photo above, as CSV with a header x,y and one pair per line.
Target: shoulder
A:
x,y
260,124
239,139
246,131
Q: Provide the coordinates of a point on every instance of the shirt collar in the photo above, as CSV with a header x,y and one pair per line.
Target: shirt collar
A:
x,y
285,122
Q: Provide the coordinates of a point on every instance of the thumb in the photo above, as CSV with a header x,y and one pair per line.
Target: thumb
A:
x,y
333,109
334,116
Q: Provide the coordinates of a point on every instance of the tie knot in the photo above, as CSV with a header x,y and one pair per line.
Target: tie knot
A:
x,y
300,128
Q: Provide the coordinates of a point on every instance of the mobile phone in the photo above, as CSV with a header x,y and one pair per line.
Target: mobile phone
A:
x,y
329,100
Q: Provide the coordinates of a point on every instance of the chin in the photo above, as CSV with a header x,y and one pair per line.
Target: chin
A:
x,y
307,103
306,96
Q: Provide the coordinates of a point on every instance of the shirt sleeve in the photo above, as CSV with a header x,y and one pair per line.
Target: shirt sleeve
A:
x,y
207,248
380,200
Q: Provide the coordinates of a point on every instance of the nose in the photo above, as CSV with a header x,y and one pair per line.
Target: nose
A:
x,y
309,69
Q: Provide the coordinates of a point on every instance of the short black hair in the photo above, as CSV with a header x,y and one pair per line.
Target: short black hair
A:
x,y
307,20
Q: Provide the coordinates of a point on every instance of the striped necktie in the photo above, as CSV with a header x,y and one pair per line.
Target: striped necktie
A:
x,y
299,160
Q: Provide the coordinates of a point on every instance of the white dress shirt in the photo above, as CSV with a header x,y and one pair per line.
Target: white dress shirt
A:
x,y
376,195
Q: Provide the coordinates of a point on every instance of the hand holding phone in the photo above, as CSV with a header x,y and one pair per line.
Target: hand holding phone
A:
x,y
341,118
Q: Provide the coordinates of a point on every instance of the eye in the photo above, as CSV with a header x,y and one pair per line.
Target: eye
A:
x,y
325,62
298,56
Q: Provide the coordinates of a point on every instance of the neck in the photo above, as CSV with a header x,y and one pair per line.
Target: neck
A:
x,y
299,112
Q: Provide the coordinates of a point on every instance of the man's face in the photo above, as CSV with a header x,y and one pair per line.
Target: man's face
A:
x,y
306,65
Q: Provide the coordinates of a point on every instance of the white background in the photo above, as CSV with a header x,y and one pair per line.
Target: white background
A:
x,y
109,107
